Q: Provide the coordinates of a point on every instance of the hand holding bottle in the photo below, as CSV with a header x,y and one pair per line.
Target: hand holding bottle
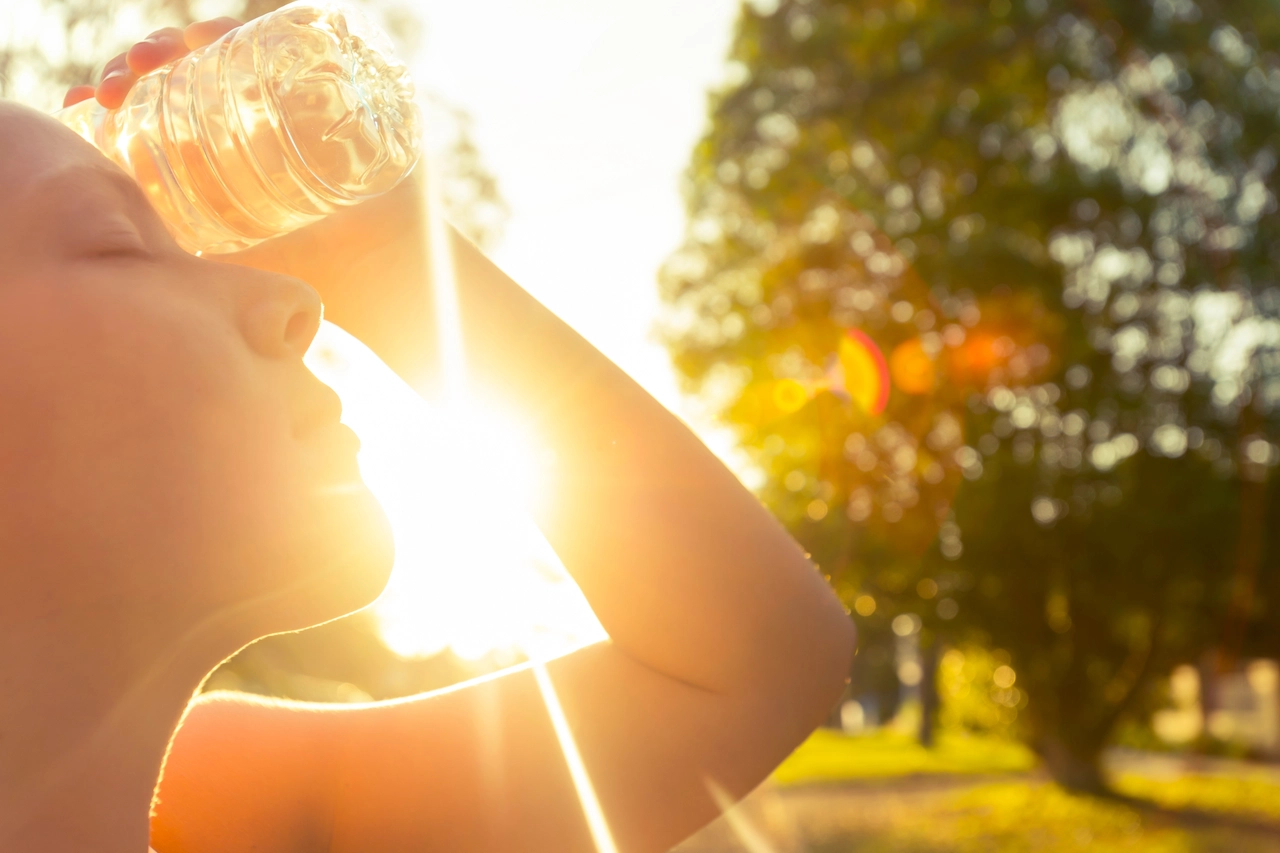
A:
x,y
155,51
273,125
358,257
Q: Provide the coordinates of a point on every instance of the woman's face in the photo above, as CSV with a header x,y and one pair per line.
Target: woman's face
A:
x,y
161,441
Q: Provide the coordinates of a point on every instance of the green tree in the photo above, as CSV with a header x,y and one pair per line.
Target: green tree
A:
x,y
1058,220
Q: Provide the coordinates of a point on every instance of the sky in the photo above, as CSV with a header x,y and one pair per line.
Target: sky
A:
x,y
587,112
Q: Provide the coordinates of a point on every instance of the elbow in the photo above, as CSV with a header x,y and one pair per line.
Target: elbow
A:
x,y
821,657
833,660
797,656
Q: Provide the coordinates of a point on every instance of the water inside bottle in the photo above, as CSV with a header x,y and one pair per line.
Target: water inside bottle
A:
x,y
271,127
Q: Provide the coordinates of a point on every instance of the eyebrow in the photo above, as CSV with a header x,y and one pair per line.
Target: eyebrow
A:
x,y
124,186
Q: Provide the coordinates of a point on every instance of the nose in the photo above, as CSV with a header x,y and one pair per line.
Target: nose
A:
x,y
279,316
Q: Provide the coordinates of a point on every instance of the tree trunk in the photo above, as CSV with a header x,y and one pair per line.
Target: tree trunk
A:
x,y
928,693
1076,767
1249,544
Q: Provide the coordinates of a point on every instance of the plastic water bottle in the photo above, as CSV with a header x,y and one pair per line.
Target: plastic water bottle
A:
x,y
276,124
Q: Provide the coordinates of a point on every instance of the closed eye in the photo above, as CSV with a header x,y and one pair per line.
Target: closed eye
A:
x,y
98,213
123,243
121,251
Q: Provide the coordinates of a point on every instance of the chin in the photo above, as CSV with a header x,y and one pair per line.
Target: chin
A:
x,y
359,551
339,561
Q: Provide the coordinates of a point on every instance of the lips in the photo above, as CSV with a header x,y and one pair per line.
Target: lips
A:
x,y
336,439
346,438
332,444
333,451
320,410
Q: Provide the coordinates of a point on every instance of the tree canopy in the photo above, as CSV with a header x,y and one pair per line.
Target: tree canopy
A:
x,y
1048,230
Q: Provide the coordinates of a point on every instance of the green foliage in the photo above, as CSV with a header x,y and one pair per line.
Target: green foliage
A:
x,y
978,692
1058,220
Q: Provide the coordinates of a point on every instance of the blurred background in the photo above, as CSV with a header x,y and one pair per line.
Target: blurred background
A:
x,y
980,298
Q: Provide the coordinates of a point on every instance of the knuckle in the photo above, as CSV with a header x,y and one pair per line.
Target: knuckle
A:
x,y
115,65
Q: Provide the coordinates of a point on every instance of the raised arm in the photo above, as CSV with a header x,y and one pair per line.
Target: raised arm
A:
x,y
726,646
684,567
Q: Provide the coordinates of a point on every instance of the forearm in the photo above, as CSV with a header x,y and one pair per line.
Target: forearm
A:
x,y
727,645
685,569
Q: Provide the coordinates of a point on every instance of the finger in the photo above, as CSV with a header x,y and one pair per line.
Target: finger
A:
x,y
203,32
116,82
76,94
157,49
114,64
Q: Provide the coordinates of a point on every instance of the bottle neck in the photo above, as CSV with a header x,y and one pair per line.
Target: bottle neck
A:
x,y
86,119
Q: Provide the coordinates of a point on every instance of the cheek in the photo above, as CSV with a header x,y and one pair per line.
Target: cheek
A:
x,y
140,430
140,412
201,444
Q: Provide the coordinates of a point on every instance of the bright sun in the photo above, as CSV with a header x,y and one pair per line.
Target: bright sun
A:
x,y
473,573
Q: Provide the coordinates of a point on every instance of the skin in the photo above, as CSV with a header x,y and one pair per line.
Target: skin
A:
x,y
174,486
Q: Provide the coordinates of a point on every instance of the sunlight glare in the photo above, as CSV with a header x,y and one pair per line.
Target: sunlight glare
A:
x,y
753,841
458,480
473,573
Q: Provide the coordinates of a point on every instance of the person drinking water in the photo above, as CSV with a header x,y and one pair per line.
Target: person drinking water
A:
x,y
175,484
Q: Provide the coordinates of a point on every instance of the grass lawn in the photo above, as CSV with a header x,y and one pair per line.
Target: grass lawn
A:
x,y
1243,795
829,756
1039,817
978,795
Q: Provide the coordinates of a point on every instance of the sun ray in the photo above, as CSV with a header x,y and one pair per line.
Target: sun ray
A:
x,y
454,376
753,840
456,403
444,280
591,809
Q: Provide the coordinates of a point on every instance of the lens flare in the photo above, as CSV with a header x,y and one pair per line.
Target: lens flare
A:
x,y
913,369
866,376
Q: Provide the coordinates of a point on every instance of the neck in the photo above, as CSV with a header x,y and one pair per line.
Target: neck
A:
x,y
85,720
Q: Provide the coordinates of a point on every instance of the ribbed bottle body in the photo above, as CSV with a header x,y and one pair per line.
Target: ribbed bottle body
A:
x,y
275,125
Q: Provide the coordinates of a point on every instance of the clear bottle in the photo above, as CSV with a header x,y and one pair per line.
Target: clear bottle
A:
x,y
273,126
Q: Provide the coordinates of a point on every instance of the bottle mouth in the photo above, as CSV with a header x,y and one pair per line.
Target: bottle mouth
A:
x,y
343,99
